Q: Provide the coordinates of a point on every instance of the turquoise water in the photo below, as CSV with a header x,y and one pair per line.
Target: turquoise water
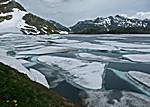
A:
x,y
115,79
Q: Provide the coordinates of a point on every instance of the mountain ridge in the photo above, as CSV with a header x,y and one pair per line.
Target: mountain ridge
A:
x,y
15,18
112,24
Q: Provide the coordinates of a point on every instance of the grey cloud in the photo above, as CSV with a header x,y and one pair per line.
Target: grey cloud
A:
x,y
70,11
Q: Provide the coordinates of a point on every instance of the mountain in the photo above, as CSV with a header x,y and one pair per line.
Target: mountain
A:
x,y
59,26
15,18
112,25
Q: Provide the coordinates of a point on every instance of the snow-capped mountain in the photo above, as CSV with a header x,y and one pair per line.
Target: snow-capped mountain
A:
x,y
14,18
117,24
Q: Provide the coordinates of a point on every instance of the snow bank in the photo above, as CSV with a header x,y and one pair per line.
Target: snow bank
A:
x,y
12,62
38,77
87,75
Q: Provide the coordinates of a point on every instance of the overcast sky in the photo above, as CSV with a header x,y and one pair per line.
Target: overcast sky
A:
x,y
68,12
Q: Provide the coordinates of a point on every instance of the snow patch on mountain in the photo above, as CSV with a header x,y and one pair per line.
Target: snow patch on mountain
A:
x,y
14,24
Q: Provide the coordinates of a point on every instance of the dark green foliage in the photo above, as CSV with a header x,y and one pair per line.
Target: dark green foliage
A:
x,y
17,88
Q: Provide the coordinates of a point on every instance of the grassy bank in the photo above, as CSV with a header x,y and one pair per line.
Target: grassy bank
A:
x,y
17,89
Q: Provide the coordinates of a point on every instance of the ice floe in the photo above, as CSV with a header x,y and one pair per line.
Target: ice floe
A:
x,y
64,41
123,44
45,50
89,56
124,76
143,78
138,57
87,75
90,46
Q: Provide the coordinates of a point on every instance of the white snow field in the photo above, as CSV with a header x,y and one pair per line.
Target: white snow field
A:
x,y
14,24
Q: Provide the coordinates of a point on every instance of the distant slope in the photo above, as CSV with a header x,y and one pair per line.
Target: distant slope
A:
x,y
112,25
59,26
14,18
17,89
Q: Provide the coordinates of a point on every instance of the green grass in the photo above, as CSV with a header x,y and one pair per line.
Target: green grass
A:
x,y
17,89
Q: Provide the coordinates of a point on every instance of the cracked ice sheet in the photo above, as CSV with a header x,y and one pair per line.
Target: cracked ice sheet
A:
x,y
141,77
123,45
46,50
87,75
138,57
87,45
64,41
89,56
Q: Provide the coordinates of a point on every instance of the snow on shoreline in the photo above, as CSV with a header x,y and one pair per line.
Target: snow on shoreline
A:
x,y
14,63
38,77
87,75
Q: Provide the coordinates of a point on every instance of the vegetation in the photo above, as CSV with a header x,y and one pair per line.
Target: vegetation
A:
x,y
17,89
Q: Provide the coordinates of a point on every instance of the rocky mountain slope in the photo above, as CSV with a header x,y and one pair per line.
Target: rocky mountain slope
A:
x,y
14,18
112,25
59,26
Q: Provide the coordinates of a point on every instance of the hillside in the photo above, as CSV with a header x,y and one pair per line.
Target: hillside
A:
x,y
14,18
17,89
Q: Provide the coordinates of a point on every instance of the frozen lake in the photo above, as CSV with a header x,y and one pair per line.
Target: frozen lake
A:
x,y
86,67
